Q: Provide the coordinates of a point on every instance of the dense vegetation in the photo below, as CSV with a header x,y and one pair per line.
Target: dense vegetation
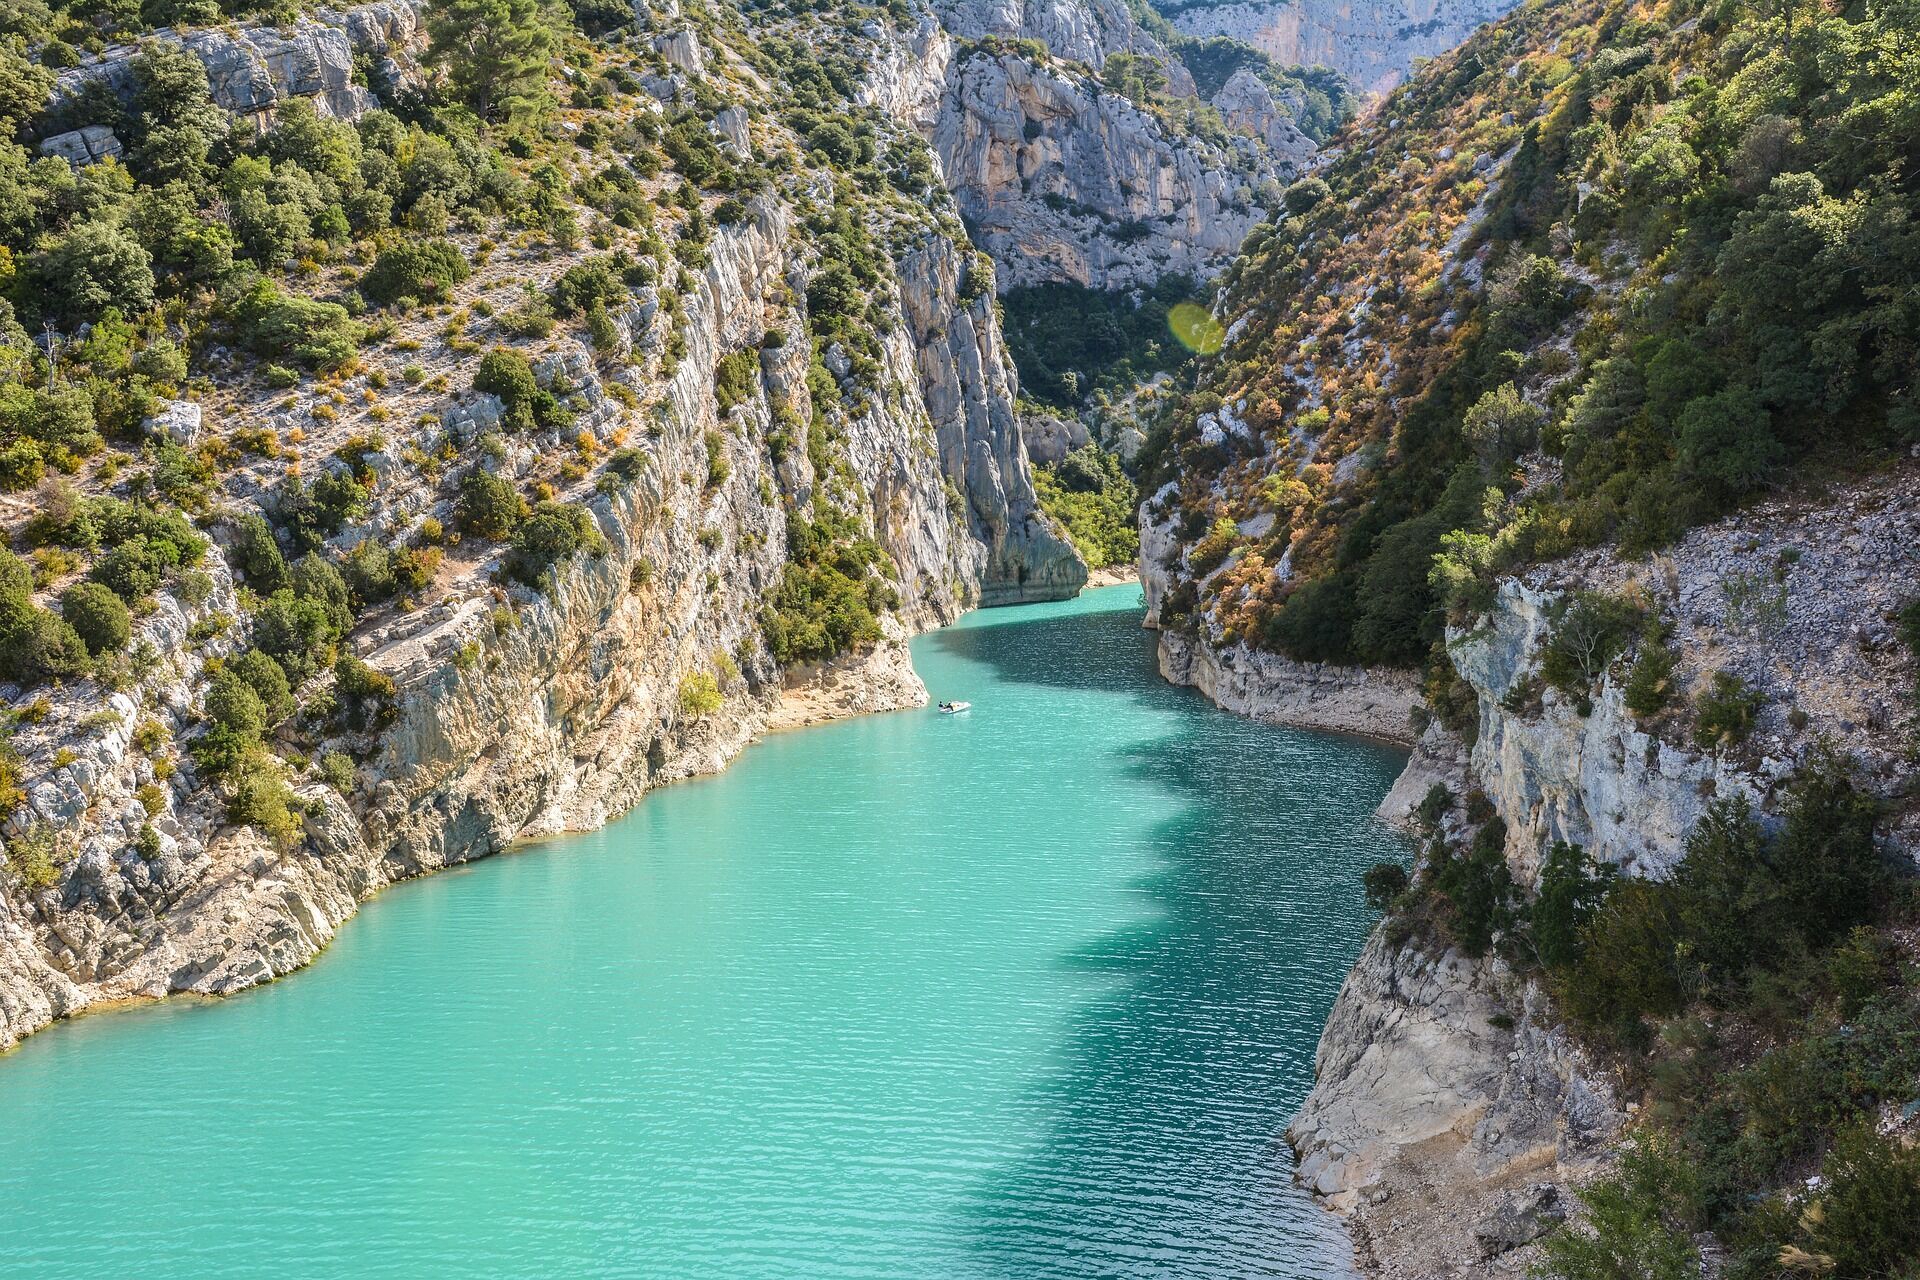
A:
x,y
1072,343
1093,497
1762,997
1694,225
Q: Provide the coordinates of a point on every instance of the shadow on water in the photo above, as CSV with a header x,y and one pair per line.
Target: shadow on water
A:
x,y
1162,1143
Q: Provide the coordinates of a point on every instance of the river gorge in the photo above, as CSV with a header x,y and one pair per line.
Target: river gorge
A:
x,y
1032,990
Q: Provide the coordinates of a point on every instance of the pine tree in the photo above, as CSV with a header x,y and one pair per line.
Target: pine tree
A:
x,y
494,53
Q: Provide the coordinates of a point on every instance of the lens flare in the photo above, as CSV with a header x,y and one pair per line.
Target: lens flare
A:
x,y
1195,329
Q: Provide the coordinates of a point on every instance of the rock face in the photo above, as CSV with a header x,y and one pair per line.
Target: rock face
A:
x,y
1312,695
1450,1110
1061,180
1442,1087
1373,42
1084,31
523,713
1246,103
251,70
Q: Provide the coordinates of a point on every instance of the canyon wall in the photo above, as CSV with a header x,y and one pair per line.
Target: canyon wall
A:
x,y
1451,1111
520,712
1372,42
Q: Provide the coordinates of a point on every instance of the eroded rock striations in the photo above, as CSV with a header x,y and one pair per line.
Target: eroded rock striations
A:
x,y
1372,42
1062,178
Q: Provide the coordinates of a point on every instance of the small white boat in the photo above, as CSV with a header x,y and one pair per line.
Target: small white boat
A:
x,y
954,708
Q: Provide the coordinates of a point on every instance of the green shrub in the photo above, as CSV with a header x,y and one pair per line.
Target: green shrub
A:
x,y
735,379
426,270
1572,888
700,695
1478,886
1629,967
525,405
1638,1223
97,616
1650,681
554,532
1589,632
586,284
256,553
718,468
319,335
1725,712
1383,883
268,680
488,506
258,797
337,771
364,695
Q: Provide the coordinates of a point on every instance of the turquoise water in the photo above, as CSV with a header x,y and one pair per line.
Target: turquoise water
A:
x,y
1026,992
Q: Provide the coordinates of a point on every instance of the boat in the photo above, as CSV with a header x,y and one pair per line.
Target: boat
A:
x,y
954,708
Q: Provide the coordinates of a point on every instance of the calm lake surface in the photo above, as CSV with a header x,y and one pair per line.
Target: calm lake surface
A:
x,y
1026,992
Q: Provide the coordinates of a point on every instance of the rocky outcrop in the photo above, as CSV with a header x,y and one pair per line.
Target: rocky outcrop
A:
x,y
1083,31
1450,1112
1277,690
1372,42
252,70
1060,179
521,713
1442,1089
1247,104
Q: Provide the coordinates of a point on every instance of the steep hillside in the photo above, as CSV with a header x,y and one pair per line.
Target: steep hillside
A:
x,y
1577,390
1596,277
441,428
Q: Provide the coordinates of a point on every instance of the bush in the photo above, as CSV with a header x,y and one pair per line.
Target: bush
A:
x,y
524,404
35,644
268,680
319,335
700,695
488,506
1725,712
1479,888
555,531
1590,631
232,704
1384,882
259,798
1572,888
1638,1223
1650,683
256,553
299,632
734,380
337,771
586,284
1628,967
97,616
1866,1218
718,468
425,270
365,695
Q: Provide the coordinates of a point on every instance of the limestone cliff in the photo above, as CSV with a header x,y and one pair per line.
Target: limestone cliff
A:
x,y
522,710
1373,42
1450,1111
1060,179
